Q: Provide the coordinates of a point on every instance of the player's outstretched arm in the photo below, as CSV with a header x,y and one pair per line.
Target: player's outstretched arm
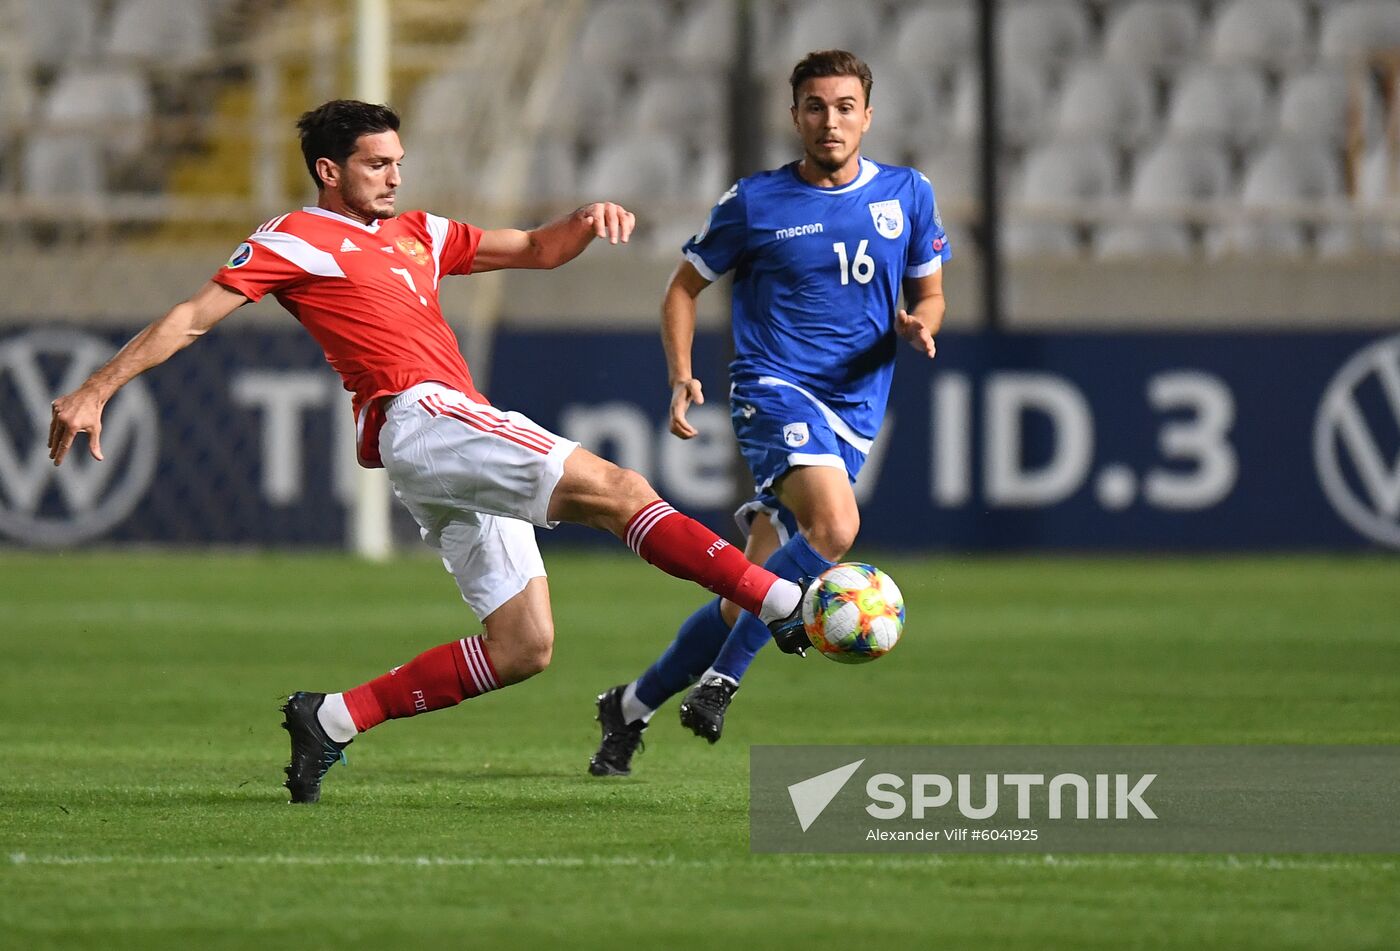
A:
x,y
924,298
678,339
81,410
555,243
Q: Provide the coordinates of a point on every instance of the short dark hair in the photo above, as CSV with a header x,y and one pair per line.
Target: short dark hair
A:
x,y
831,63
331,129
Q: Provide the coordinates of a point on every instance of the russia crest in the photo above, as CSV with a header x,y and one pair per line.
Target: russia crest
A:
x,y
888,217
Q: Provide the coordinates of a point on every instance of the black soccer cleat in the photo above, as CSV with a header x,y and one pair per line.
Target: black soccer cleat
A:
x,y
789,633
702,710
620,738
313,752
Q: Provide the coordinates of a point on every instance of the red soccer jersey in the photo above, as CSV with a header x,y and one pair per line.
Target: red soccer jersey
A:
x,y
368,294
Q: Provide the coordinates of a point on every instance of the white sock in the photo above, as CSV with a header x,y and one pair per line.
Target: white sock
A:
x,y
632,708
725,677
335,718
780,601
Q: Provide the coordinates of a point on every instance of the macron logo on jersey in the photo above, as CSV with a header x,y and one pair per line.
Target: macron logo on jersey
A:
x,y
783,234
348,245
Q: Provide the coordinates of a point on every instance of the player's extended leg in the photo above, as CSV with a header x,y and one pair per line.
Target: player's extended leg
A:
x,y
598,493
824,504
624,710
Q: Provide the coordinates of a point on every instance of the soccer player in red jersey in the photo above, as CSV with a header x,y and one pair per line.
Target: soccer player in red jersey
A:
x,y
363,280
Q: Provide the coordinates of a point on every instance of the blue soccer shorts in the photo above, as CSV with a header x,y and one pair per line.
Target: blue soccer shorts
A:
x,y
781,426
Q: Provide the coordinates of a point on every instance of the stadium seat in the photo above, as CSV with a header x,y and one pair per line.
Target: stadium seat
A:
x,y
1060,176
648,168
936,36
1269,33
1365,236
1151,33
1377,188
1024,102
884,143
953,169
706,37
1248,236
619,32
62,164
159,32
1285,175
549,175
691,105
1106,100
59,31
111,100
1290,171
1315,105
1067,173
1043,31
1148,239
905,99
1221,104
711,179
1359,27
1039,239
1176,173
438,103
587,101
824,24
1378,178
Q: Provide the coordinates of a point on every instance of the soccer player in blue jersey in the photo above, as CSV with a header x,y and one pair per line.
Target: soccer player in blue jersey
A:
x,y
820,250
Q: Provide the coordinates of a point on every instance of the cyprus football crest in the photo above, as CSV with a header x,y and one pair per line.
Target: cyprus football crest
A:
x,y
889,217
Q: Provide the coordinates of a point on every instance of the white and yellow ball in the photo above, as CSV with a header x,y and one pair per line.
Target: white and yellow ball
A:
x,y
853,613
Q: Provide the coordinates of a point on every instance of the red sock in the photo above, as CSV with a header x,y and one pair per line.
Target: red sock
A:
x,y
681,546
437,678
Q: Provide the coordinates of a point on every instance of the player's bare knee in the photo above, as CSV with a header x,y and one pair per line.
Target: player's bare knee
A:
x,y
632,489
833,538
533,659
623,493
526,655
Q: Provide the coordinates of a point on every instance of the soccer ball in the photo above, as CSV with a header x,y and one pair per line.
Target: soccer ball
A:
x,y
853,613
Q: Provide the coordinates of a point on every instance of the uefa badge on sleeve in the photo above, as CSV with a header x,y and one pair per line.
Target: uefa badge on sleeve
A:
x,y
241,256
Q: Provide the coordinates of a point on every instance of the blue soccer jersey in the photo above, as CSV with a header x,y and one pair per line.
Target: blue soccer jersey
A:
x,y
817,274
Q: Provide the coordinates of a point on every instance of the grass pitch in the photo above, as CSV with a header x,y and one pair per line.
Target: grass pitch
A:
x,y
140,758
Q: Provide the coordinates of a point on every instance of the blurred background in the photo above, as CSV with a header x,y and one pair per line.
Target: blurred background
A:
x,y
1173,305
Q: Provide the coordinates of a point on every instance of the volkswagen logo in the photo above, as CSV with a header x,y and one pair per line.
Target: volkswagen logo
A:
x,y
1356,442
84,498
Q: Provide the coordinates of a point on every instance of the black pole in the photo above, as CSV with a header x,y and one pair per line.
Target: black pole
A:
x,y
988,149
746,156
745,99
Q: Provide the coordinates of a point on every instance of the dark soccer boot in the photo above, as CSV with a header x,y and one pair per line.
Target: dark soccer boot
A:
x,y
312,751
702,710
788,632
620,738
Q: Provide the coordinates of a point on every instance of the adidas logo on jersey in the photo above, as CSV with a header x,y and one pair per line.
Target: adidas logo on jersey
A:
x,y
347,245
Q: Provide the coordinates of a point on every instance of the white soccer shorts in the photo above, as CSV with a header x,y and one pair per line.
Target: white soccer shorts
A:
x,y
477,480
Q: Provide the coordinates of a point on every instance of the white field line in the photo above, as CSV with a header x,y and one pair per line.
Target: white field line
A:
x,y
1192,863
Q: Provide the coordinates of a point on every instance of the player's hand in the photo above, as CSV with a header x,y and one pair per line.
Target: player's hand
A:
x,y
78,412
915,331
609,220
683,393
